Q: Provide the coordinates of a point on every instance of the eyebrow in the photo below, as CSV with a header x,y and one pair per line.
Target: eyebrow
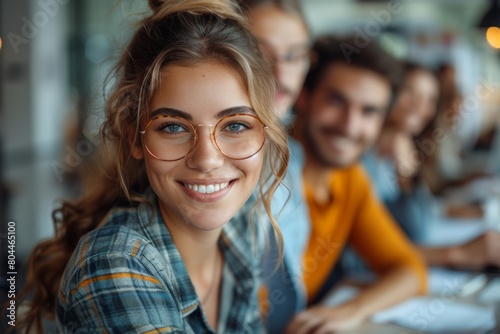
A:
x,y
336,94
185,115
235,110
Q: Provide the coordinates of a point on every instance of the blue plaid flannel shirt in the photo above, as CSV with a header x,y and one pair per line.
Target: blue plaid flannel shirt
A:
x,y
128,277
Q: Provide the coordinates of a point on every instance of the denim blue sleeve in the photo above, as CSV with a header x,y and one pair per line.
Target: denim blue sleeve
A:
x,y
412,210
286,293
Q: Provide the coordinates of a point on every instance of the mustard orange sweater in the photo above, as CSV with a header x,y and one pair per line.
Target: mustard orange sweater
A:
x,y
356,216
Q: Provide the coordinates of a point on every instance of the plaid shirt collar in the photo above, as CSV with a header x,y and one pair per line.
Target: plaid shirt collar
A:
x,y
237,251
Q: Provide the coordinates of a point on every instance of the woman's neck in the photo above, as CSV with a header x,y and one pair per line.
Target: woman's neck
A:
x,y
317,178
203,261
197,248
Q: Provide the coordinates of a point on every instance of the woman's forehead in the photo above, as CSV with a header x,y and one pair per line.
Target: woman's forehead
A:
x,y
203,89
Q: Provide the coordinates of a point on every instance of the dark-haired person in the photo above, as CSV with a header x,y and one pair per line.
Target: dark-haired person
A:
x,y
161,244
341,110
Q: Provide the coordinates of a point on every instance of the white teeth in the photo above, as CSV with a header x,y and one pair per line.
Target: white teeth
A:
x,y
342,141
208,188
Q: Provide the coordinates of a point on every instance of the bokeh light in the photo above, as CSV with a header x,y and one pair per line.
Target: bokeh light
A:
x,y
493,37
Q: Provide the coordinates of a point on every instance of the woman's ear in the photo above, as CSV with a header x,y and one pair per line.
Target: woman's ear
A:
x,y
134,141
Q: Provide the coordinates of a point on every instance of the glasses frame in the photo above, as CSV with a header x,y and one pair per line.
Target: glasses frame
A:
x,y
301,59
196,136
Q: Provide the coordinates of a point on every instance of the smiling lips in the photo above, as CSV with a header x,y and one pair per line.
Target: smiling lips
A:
x,y
338,142
206,188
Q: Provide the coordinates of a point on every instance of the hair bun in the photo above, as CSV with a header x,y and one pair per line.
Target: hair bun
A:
x,y
155,4
224,8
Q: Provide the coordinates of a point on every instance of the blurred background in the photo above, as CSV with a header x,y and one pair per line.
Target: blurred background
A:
x,y
55,54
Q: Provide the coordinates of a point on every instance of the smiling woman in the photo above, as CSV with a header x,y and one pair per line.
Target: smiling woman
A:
x,y
163,243
184,158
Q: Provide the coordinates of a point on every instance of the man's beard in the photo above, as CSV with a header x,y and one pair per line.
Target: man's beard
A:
x,y
316,153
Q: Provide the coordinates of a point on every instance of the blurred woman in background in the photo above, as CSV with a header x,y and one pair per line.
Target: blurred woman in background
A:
x,y
400,166
401,151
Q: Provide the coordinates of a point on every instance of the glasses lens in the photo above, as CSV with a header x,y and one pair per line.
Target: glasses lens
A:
x,y
169,138
239,136
294,58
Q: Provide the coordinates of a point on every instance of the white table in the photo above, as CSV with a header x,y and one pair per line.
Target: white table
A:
x,y
444,299
444,310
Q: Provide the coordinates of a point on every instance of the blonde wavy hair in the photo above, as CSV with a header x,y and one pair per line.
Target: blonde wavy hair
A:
x,y
181,32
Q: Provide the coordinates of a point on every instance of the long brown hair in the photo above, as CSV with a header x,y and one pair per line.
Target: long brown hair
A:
x,y
182,32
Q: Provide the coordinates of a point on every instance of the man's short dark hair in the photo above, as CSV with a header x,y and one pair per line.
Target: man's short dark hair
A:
x,y
329,50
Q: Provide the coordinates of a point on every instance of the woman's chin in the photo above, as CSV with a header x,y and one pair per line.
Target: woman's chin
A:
x,y
209,223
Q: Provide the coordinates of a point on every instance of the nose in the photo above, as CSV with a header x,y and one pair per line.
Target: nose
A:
x,y
352,119
204,156
279,73
417,101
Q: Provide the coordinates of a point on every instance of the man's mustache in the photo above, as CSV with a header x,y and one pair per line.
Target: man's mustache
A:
x,y
329,131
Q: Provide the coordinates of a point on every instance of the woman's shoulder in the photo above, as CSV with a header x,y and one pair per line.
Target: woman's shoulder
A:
x,y
111,240
116,246
119,233
112,269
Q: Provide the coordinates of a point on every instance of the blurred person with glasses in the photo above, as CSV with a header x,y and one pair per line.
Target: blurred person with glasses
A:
x,y
165,243
283,35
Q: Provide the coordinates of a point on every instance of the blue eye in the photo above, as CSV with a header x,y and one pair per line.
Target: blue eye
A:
x,y
292,57
172,128
236,127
